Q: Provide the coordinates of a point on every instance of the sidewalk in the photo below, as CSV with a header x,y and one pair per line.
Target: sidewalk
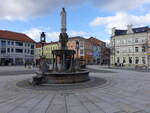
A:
x,y
124,68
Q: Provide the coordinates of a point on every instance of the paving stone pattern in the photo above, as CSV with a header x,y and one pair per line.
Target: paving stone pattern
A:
x,y
130,93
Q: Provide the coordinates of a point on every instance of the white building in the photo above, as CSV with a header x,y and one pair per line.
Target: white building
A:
x,y
16,48
130,47
38,51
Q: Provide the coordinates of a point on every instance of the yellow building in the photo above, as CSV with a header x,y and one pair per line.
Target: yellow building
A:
x,y
47,50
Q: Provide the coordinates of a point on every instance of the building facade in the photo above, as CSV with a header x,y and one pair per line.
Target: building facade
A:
x,y
90,50
85,48
38,51
97,50
47,50
106,56
148,46
130,47
16,48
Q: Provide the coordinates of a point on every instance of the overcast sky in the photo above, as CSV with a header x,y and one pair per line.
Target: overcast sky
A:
x,y
84,17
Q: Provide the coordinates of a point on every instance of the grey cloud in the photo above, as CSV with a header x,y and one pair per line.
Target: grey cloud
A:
x,y
21,9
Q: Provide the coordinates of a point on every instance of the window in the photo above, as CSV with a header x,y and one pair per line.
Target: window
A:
x,y
81,51
8,42
129,41
118,60
124,60
12,43
136,40
12,50
3,42
136,49
32,52
81,44
130,50
130,60
136,60
19,50
143,60
143,49
3,50
118,51
25,51
19,43
8,50
32,46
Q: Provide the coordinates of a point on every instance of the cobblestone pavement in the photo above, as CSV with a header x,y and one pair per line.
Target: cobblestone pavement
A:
x,y
128,92
16,70
13,68
124,68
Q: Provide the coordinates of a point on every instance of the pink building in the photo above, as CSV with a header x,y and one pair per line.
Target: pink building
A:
x,y
85,48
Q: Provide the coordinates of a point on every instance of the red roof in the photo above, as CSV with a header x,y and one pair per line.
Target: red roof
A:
x,y
52,43
9,35
96,41
38,45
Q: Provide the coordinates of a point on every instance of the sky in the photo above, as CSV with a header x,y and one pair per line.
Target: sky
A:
x,y
85,18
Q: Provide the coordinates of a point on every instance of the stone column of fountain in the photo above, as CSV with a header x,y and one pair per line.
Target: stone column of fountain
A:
x,y
63,53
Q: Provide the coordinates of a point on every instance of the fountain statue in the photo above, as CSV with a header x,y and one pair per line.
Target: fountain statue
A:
x,y
63,70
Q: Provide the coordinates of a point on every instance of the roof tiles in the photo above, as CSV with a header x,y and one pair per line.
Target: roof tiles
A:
x,y
9,35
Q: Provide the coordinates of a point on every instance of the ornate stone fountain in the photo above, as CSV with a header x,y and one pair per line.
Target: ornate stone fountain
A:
x,y
64,69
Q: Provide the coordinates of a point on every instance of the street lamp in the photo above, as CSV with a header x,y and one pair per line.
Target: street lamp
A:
x,y
42,40
77,47
114,52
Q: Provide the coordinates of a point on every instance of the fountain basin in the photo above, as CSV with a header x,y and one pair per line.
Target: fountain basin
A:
x,y
63,77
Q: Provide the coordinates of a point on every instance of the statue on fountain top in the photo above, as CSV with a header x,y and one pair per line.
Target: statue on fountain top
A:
x,y
63,37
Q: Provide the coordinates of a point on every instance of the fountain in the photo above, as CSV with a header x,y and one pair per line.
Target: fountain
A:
x,y
64,70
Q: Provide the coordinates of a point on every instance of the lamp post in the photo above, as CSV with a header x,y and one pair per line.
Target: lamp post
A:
x,y
77,47
114,52
42,41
